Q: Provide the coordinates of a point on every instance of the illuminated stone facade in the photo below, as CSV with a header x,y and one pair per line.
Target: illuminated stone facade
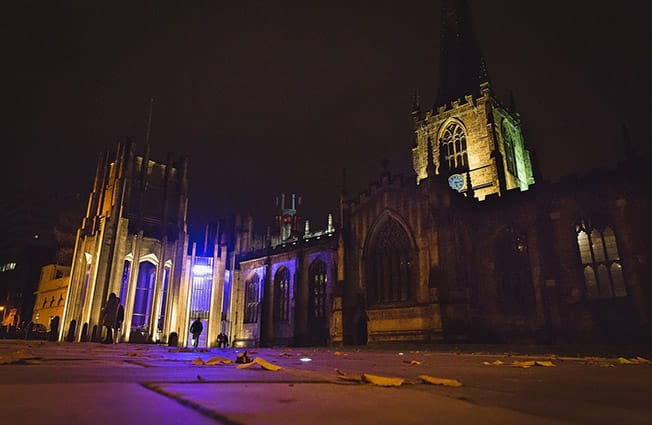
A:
x,y
476,140
466,249
51,294
132,242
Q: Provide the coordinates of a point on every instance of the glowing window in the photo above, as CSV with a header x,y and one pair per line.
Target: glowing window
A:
x,y
281,294
252,299
509,138
453,145
602,269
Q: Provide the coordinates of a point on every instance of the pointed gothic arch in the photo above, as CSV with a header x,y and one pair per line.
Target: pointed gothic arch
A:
x,y
282,295
453,145
390,262
252,298
512,271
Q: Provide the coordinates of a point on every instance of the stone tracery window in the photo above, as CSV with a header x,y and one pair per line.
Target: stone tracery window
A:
x,y
389,265
601,263
252,299
513,276
318,280
453,145
281,294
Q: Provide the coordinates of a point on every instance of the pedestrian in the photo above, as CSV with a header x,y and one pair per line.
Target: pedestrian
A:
x,y
222,340
195,329
109,316
120,316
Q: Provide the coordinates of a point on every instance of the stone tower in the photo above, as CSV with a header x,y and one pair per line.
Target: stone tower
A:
x,y
474,139
132,243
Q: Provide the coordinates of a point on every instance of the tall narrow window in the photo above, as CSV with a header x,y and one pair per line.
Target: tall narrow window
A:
x,y
453,145
317,295
252,299
202,285
509,138
124,284
389,275
164,297
143,296
281,294
513,277
601,263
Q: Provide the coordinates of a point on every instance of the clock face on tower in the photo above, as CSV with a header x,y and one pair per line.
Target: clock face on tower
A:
x,y
456,181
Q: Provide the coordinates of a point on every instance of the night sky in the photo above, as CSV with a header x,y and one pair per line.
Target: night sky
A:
x,y
272,97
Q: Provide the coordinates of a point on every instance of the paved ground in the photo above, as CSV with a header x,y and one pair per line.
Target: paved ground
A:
x,y
52,383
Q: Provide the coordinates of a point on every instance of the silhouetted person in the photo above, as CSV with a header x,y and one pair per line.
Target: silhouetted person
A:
x,y
195,329
120,316
109,316
222,340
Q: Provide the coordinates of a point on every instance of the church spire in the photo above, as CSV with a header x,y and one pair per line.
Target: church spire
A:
x,y
462,68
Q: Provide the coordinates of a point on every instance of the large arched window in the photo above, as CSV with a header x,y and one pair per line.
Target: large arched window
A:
x,y
318,280
601,264
389,265
453,146
281,294
512,272
252,299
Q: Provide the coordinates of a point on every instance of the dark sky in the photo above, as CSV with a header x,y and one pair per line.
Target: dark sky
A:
x,y
271,97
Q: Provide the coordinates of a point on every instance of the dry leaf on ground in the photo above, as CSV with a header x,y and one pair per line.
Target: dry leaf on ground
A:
x,y
262,362
383,381
440,381
348,377
218,360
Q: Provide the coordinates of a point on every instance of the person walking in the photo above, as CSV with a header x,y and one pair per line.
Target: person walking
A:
x,y
195,329
109,316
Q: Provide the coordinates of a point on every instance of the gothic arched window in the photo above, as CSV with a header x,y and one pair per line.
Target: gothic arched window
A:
x,y
281,294
389,265
318,280
252,299
453,145
509,137
601,263
512,272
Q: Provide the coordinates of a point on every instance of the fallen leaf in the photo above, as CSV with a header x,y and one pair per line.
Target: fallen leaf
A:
x,y
347,377
440,381
635,360
337,353
262,362
134,354
382,381
218,360
524,365
199,361
544,363
415,362
494,363
285,355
